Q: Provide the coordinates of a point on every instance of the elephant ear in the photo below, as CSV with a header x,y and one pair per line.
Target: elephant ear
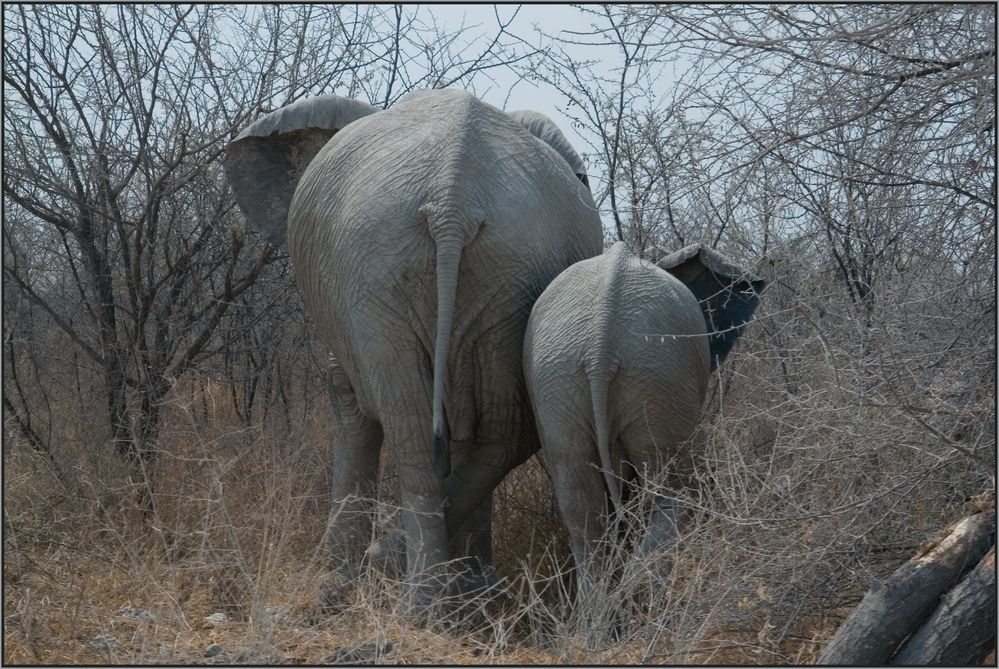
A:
x,y
728,294
266,160
545,129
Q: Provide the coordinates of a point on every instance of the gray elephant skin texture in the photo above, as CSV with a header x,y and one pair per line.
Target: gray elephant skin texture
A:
x,y
616,357
542,127
421,236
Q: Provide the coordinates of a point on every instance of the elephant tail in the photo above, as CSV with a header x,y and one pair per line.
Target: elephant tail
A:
x,y
599,381
600,361
451,230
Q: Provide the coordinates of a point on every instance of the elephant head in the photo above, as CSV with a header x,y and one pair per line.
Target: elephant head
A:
x,y
728,294
265,162
545,129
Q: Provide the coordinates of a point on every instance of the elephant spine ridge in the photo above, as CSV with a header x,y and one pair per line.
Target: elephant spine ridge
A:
x,y
598,361
452,221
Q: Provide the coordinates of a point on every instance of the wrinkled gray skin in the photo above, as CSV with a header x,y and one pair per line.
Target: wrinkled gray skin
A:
x,y
543,128
421,236
616,357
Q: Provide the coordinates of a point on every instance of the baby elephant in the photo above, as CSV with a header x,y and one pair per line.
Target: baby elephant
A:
x,y
617,357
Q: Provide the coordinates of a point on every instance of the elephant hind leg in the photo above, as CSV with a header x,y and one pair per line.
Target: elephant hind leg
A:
x,y
356,453
581,495
504,438
472,542
410,437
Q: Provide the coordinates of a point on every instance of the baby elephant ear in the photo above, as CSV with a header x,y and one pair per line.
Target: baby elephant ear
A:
x,y
266,160
545,129
728,294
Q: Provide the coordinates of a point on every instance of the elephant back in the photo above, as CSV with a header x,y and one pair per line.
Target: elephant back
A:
x,y
371,183
627,305
363,248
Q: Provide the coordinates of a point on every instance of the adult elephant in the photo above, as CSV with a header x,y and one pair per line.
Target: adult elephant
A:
x,y
617,356
421,236
542,127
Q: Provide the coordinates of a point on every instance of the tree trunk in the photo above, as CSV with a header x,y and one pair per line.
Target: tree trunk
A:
x,y
892,611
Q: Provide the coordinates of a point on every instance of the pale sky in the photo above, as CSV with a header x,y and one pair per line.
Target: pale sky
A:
x,y
525,94
510,93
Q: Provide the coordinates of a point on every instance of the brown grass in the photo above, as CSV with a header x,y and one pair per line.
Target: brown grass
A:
x,y
798,498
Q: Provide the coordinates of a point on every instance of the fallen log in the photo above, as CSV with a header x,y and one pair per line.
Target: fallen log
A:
x,y
892,611
962,630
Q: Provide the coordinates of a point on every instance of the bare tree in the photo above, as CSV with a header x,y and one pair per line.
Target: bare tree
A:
x,y
848,152
708,102
112,145
119,226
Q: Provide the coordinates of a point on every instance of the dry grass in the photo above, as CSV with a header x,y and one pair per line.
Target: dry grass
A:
x,y
812,477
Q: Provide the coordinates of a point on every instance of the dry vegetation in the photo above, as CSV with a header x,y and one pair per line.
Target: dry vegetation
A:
x,y
166,423
800,498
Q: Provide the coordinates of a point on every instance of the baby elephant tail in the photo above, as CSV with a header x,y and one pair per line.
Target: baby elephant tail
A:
x,y
599,379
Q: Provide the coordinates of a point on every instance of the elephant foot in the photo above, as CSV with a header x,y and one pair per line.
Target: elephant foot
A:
x,y
466,589
602,628
345,556
463,600
425,602
474,599
332,599
469,576
388,554
474,580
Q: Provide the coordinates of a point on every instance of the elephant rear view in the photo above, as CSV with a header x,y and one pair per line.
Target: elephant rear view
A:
x,y
421,236
616,358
